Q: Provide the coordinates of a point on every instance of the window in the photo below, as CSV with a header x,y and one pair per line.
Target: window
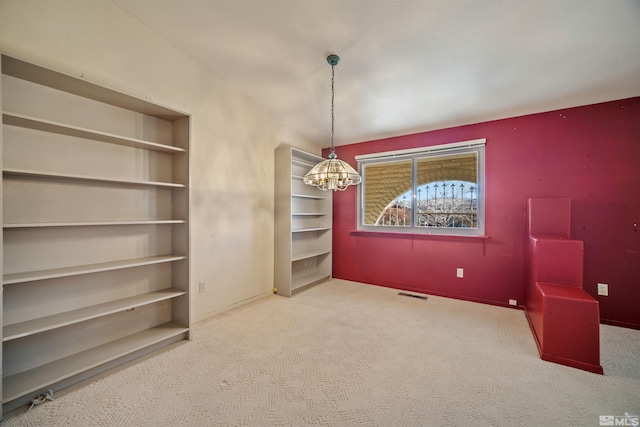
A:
x,y
433,190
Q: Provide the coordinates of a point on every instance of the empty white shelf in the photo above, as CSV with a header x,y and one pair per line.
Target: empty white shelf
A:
x,y
53,273
307,196
308,214
34,326
302,163
83,88
24,121
93,223
65,176
307,279
305,230
40,377
309,254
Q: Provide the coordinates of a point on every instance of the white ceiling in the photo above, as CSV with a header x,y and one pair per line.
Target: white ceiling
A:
x,y
407,66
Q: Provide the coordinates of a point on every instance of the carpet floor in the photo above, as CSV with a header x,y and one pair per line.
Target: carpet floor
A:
x,y
348,354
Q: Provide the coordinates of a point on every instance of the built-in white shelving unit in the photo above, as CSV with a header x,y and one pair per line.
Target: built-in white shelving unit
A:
x,y
95,236
303,216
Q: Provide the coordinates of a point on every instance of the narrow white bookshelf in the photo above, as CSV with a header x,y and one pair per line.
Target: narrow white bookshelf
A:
x,y
95,229
303,216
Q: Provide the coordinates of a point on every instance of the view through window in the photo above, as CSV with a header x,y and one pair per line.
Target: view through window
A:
x,y
434,190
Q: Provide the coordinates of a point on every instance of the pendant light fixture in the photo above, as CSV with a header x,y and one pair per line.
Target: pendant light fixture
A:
x,y
332,174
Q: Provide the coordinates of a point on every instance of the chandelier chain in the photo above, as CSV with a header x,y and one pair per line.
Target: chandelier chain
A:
x,y
332,103
332,173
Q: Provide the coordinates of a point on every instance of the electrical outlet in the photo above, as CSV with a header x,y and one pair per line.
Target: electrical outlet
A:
x,y
603,289
513,302
201,287
460,272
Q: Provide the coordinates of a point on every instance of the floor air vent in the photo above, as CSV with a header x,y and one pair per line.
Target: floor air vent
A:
x,y
404,294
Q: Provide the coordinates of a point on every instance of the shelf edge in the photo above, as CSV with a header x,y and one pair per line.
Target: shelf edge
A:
x,y
28,122
10,279
89,313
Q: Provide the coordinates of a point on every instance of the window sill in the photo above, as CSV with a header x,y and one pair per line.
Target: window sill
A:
x,y
427,236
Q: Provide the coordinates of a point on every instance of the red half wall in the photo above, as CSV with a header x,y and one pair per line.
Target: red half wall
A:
x,y
590,154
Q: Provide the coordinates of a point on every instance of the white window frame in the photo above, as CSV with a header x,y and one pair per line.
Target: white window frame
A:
x,y
476,145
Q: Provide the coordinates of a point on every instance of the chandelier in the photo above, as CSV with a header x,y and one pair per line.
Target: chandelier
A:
x,y
333,173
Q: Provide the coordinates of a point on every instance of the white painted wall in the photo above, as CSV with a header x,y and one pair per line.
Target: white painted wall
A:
x,y
232,140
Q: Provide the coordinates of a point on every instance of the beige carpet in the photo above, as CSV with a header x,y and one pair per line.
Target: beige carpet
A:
x,y
347,354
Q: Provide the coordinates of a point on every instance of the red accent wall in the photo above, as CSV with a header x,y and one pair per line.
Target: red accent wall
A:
x,y
590,154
